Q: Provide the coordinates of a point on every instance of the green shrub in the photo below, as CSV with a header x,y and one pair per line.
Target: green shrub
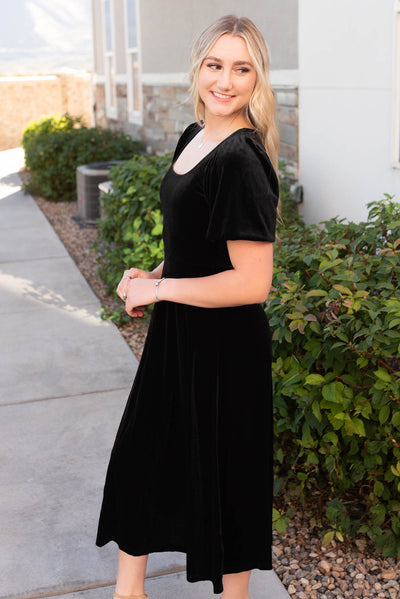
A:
x,y
335,315
131,233
46,125
56,146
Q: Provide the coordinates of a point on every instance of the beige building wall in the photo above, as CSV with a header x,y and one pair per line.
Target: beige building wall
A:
x,y
23,99
169,28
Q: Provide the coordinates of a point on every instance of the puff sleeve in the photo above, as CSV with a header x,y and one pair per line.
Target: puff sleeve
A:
x,y
243,191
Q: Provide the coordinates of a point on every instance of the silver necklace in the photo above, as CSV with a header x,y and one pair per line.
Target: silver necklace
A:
x,y
201,144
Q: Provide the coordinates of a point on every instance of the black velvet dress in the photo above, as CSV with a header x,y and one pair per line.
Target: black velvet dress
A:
x,y
191,467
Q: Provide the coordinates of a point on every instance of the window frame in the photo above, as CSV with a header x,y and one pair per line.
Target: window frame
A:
x,y
396,86
110,85
135,116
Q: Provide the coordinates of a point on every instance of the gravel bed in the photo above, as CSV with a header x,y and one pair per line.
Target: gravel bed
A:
x,y
307,569
310,571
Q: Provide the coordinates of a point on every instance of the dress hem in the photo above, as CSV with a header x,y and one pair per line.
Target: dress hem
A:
x,y
217,588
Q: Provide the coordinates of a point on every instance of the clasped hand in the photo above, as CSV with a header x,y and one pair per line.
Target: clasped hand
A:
x,y
136,289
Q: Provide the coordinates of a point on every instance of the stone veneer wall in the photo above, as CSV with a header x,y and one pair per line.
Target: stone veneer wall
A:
x,y
25,98
168,110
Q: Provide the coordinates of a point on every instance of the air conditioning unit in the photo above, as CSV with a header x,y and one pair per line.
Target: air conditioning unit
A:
x,y
88,177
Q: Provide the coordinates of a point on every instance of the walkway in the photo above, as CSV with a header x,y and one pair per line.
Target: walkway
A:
x,y
65,375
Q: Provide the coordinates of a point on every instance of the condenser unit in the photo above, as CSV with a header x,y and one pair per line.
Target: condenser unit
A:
x,y
88,177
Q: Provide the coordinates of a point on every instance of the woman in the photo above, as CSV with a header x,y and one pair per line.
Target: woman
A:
x,y
191,467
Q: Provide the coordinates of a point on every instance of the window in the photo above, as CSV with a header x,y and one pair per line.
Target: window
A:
x,y
134,90
109,59
396,86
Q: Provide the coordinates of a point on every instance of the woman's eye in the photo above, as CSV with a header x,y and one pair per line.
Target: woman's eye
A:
x,y
214,66
244,70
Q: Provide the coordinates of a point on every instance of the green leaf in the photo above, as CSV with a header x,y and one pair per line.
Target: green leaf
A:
x,y
383,375
342,289
396,419
326,265
331,437
378,488
349,425
157,230
316,410
328,538
314,379
394,323
384,413
316,293
333,392
359,427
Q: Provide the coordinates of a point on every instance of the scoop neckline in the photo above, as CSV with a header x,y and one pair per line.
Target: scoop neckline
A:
x,y
209,153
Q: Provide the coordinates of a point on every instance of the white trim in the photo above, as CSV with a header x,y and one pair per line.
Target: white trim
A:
x,y
120,78
165,79
395,158
277,77
134,116
110,110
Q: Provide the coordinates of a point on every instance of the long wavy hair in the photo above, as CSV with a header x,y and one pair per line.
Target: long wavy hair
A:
x,y
261,109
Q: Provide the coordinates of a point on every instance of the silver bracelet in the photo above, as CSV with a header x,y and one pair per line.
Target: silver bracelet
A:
x,y
156,285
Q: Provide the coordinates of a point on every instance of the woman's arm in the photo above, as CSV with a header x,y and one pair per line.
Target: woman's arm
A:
x,y
248,282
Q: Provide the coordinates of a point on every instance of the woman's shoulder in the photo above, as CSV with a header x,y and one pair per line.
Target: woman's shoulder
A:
x,y
244,152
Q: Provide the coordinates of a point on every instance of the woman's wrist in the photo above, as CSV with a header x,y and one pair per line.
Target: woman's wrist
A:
x,y
156,290
157,272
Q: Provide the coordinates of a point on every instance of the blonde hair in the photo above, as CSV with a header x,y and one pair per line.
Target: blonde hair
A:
x,y
261,108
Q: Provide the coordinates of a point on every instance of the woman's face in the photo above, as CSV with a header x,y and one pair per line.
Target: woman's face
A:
x,y
227,77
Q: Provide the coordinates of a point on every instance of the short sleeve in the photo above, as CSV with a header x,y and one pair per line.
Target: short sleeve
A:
x,y
243,191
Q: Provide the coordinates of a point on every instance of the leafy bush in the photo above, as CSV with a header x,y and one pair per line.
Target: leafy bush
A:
x,y
57,145
131,233
335,313
47,125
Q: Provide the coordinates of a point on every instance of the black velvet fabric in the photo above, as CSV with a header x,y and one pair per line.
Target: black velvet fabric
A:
x,y
191,466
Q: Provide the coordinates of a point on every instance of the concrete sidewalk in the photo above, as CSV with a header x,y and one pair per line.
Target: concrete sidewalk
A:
x,y
65,376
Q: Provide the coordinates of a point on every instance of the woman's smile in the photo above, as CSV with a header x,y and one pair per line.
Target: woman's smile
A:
x,y
220,96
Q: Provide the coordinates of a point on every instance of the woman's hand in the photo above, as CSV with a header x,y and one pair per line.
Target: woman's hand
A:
x,y
140,293
122,288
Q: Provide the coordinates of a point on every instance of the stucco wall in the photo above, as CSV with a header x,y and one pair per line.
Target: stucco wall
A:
x,y
346,103
25,98
168,30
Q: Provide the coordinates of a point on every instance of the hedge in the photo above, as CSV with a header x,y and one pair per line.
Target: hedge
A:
x,y
335,315
56,145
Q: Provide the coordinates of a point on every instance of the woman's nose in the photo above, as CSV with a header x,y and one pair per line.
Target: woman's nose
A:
x,y
224,79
